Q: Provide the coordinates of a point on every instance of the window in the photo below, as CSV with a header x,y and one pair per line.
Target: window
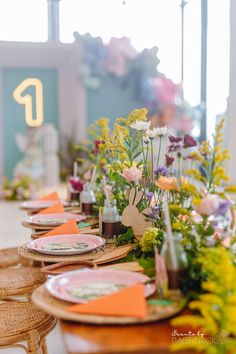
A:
x,y
147,23
158,23
23,20
218,60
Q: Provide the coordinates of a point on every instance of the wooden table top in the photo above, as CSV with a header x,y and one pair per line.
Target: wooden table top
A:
x,y
152,338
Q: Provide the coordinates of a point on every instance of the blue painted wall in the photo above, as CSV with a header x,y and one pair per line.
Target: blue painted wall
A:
x,y
113,99
14,113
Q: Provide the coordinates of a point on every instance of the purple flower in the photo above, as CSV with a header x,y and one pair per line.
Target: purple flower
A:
x,y
175,139
155,212
174,148
223,207
161,171
189,141
169,160
149,195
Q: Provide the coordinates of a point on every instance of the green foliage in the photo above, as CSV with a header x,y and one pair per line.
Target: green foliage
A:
x,y
216,307
125,238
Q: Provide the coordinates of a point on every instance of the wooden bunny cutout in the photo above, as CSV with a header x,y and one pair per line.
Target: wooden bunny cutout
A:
x,y
132,217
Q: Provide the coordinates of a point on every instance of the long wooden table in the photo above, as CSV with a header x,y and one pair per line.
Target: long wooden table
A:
x,y
153,338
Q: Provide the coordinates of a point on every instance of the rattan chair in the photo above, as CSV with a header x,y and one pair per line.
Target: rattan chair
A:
x,y
23,322
9,257
19,281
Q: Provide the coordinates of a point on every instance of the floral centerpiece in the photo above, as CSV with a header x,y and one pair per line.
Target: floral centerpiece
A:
x,y
145,167
172,195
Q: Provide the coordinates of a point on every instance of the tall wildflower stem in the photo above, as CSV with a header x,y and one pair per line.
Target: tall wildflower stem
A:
x,y
152,160
145,162
159,152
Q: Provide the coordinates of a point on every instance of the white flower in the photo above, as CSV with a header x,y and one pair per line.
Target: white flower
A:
x,y
162,131
140,125
151,133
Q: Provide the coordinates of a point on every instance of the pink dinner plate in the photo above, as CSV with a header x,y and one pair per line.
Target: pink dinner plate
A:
x,y
53,219
81,286
41,204
66,244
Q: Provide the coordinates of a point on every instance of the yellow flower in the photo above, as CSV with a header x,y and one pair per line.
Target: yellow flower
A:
x,y
195,156
149,239
215,310
100,129
230,189
205,148
195,173
103,161
137,114
103,122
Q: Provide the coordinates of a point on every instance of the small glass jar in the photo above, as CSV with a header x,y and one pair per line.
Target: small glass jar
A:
x,y
87,199
73,195
111,225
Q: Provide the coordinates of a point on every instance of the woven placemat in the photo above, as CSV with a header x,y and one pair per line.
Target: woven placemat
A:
x,y
37,227
57,308
121,251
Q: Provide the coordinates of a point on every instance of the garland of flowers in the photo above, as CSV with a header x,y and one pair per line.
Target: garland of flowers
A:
x,y
20,188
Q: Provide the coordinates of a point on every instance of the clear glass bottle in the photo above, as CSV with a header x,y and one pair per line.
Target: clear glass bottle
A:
x,y
73,195
175,274
110,212
111,225
87,199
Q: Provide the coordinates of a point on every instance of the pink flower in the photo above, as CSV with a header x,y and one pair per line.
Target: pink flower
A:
x,y
132,174
76,184
208,205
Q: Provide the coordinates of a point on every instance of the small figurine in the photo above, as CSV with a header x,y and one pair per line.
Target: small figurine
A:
x,y
131,216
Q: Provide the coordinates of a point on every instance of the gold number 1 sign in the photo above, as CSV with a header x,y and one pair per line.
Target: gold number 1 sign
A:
x,y
27,101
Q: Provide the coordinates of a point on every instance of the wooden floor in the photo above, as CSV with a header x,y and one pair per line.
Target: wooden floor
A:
x,y
12,233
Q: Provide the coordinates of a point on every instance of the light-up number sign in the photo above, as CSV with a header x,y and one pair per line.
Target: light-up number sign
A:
x,y
27,101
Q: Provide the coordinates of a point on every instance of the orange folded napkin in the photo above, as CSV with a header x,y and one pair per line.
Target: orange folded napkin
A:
x,y
69,227
54,209
128,302
51,196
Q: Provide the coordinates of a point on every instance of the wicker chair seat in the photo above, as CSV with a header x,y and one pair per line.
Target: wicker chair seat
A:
x,y
19,281
17,317
22,321
9,257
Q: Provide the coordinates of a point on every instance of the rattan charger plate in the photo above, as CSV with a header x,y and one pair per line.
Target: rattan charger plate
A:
x,y
46,302
119,252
